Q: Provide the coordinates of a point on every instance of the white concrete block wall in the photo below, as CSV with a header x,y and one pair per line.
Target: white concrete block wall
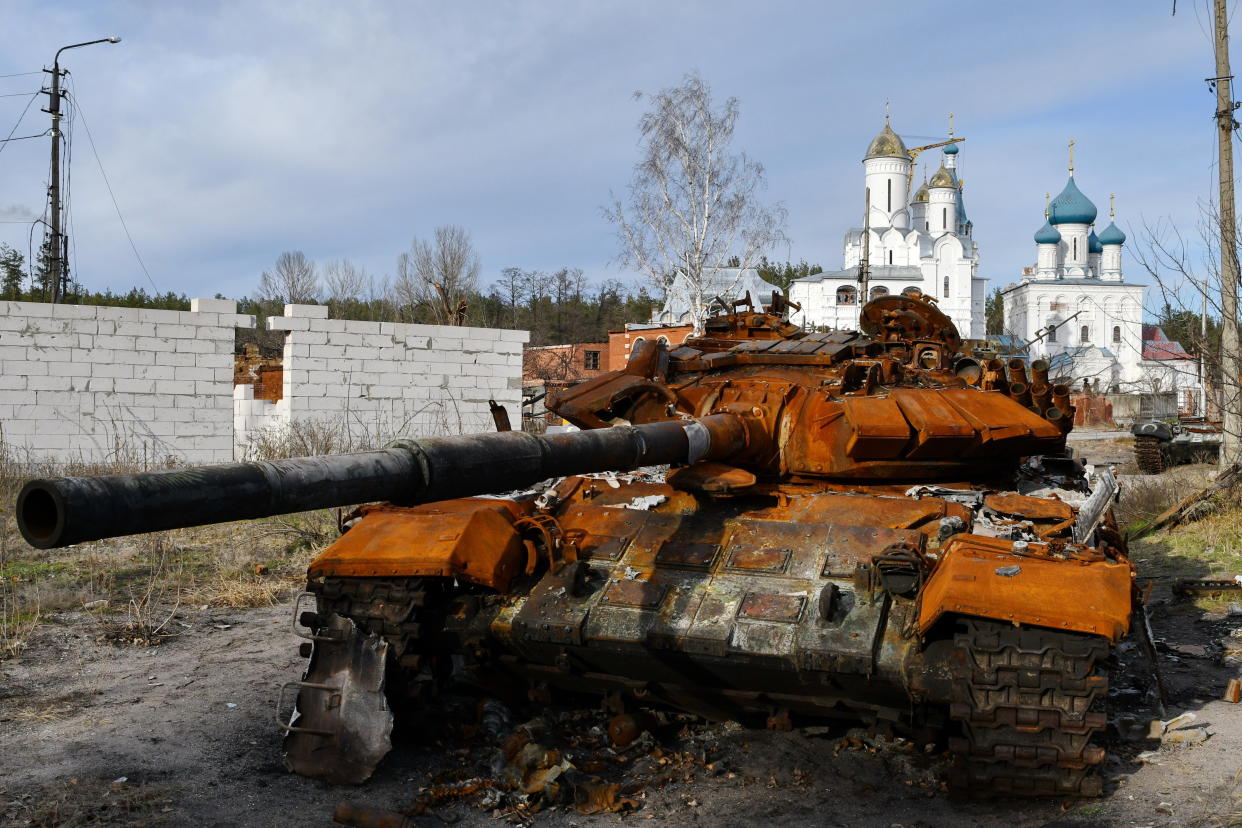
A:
x,y
149,387
381,380
103,384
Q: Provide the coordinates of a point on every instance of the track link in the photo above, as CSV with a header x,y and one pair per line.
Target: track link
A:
x,y
1149,454
1028,704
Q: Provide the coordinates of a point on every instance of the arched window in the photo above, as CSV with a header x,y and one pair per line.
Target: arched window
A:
x,y
1075,247
847,295
945,295
634,345
1117,333
890,257
879,290
944,218
911,290
1085,336
889,182
1052,332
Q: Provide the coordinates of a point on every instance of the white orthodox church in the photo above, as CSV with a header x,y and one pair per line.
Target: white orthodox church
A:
x,y
1075,308
922,242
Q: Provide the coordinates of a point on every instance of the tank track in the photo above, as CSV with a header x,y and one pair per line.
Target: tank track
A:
x,y
1027,702
407,612
1149,454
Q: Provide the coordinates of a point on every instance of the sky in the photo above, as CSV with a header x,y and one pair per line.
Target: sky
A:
x,y
232,131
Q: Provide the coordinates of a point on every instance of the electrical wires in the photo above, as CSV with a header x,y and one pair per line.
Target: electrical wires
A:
x,y
73,100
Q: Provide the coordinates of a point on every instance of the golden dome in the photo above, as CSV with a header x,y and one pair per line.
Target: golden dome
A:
x,y
942,178
920,197
887,144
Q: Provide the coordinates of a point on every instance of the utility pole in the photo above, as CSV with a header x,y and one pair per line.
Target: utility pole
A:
x,y
864,265
55,248
1231,364
58,243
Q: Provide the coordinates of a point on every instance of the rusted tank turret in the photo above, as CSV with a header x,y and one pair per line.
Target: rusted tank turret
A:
x,y
881,524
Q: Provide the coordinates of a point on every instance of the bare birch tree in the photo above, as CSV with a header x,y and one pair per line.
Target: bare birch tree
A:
x,y
693,204
439,275
292,280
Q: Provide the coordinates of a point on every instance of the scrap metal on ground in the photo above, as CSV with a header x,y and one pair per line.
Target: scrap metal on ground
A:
x,y
881,526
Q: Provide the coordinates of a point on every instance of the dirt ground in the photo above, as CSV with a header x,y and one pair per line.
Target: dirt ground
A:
x,y
185,733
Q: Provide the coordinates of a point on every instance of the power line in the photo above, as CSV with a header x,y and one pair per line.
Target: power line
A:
x,y
5,143
17,94
21,74
73,100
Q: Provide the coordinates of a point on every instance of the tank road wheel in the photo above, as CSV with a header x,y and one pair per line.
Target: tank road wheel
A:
x,y
1028,701
1149,454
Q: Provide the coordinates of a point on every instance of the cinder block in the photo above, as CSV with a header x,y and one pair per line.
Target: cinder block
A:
x,y
207,387
159,317
514,336
193,373
24,367
441,343
177,331
16,352
331,326
114,341
284,323
58,339
43,309
69,369
363,327
195,346
74,311
313,337
307,311
174,359
12,382
135,329
213,306
135,386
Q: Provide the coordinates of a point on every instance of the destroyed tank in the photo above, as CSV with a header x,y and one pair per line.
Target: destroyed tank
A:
x,y
1159,444
876,526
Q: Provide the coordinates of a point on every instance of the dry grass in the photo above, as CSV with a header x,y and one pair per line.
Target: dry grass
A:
x,y
134,587
80,802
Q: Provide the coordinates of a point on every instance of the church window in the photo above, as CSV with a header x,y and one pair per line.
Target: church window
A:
x,y
890,257
926,225
944,218
879,290
847,295
1075,248
1117,333
946,288
911,290
890,195
1052,332
1085,338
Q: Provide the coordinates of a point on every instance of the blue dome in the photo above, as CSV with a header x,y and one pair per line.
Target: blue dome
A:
x,y
951,149
1048,235
1072,207
1112,235
1093,243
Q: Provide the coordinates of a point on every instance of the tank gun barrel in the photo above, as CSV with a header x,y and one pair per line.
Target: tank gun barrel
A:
x,y
59,511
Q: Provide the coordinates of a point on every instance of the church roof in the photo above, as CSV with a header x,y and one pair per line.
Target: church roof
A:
x,y
942,178
951,149
1112,235
1071,206
907,273
920,196
887,144
1093,243
1047,235
1157,345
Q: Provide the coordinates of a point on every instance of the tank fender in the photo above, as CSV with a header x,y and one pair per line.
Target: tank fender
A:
x,y
472,539
982,577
